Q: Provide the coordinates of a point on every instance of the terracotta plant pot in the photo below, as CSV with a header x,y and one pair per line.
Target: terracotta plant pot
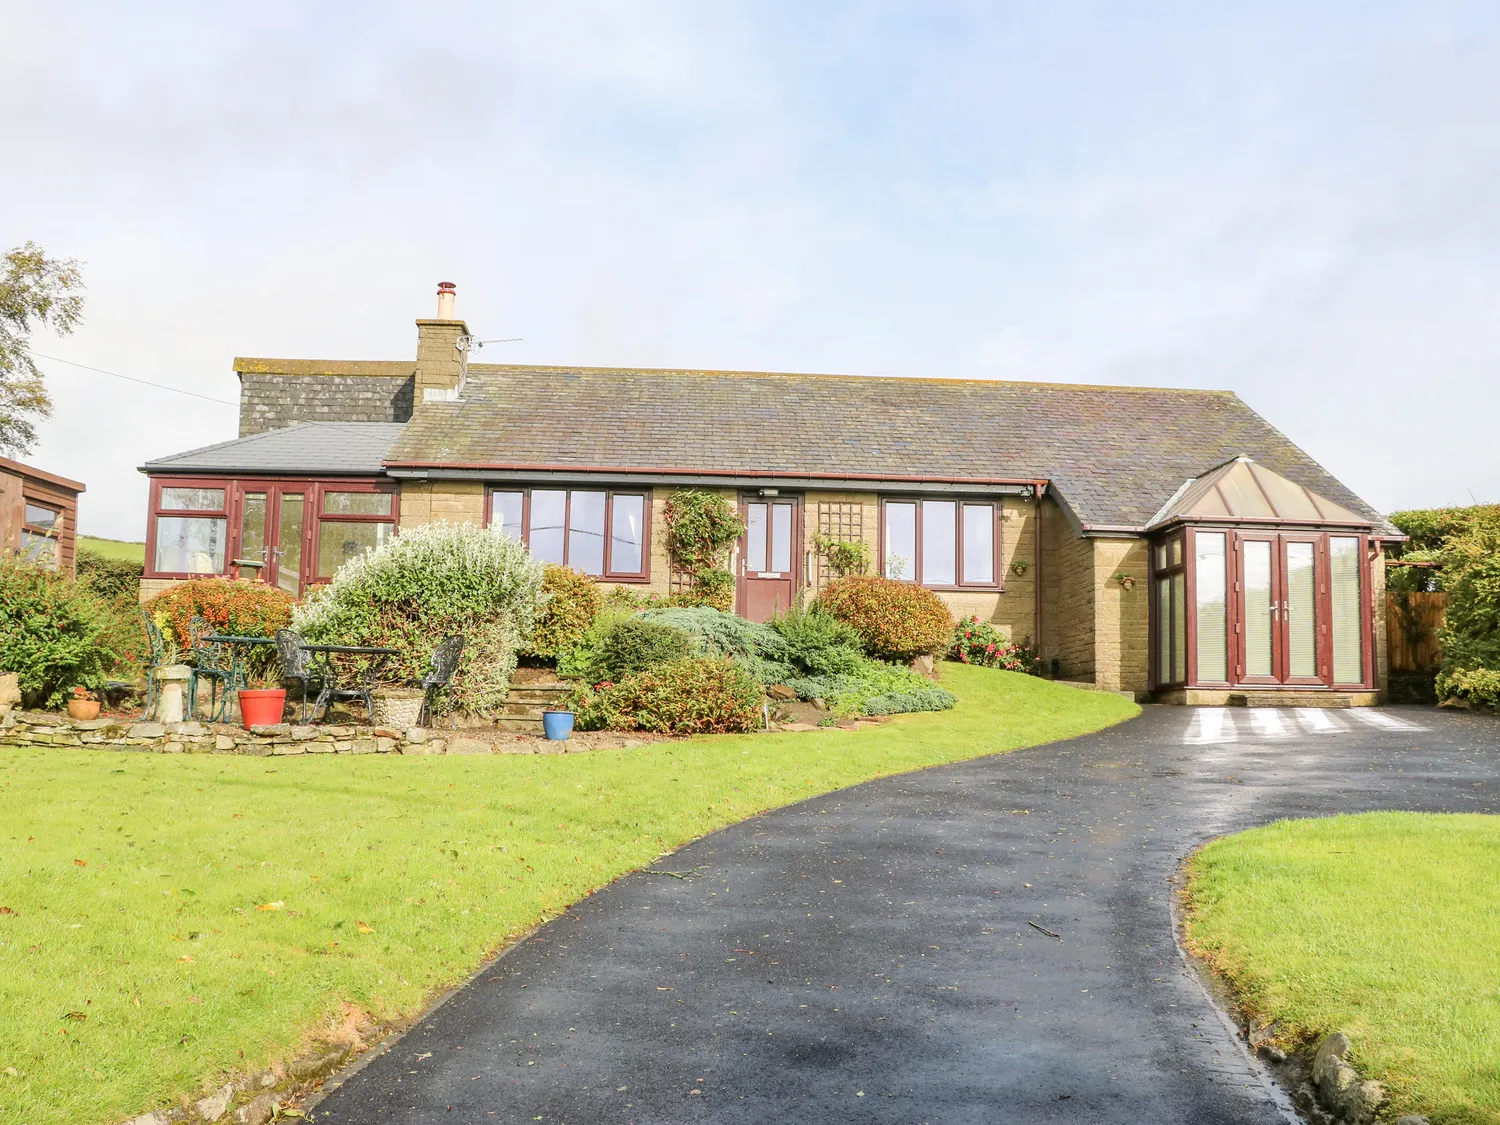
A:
x,y
83,709
262,707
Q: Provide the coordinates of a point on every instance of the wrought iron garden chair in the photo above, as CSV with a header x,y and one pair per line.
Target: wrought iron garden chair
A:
x,y
296,664
444,663
156,658
212,661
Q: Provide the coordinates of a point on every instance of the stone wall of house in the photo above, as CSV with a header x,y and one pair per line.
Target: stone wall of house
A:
x,y
456,501
1068,619
1121,615
271,400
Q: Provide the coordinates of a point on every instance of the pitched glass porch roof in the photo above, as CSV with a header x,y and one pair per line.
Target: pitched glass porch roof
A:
x,y
1241,490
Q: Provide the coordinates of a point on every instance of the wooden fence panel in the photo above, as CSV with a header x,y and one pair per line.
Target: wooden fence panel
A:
x,y
1411,630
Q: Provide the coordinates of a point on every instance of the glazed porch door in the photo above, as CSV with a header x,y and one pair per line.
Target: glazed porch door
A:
x,y
769,557
1282,627
273,523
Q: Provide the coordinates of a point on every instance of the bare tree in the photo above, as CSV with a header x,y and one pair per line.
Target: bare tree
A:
x,y
35,292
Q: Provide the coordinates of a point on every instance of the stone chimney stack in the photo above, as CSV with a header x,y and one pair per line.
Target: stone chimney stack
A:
x,y
442,351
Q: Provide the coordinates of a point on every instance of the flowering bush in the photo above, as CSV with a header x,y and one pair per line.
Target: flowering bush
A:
x,y
229,605
693,696
894,620
979,642
423,585
572,601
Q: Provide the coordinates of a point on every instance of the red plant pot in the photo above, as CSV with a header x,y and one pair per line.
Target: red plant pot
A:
x,y
262,707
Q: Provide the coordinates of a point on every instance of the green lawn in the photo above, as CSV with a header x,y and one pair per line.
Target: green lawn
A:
x,y
135,880
1382,925
115,549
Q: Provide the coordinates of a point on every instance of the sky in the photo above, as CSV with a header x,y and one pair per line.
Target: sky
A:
x,y
1297,202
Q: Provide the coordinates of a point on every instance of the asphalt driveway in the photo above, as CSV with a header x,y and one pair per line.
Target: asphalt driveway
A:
x,y
870,956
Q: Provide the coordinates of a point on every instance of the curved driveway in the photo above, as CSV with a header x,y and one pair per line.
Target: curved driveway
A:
x,y
868,956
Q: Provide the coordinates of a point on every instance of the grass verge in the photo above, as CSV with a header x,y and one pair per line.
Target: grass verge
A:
x,y
1382,925
138,885
115,548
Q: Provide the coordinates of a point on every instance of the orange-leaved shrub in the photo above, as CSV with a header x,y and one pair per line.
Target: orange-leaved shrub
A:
x,y
229,605
894,620
705,695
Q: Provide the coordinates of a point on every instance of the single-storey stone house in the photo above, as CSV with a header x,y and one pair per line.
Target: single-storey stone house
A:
x,y
1145,540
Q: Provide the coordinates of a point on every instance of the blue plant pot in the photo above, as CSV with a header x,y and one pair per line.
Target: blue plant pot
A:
x,y
558,725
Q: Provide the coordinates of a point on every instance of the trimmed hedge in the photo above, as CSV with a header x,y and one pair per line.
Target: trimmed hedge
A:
x,y
894,620
110,577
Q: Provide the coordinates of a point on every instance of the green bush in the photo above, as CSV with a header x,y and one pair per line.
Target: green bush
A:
x,y
817,643
572,600
716,633
635,645
701,529
979,642
1479,687
109,577
894,620
234,606
713,586
903,702
57,634
421,586
1470,566
852,693
691,696
845,556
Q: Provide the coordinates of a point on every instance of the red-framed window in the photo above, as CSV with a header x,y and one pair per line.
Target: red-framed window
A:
x,y
942,544
290,532
602,532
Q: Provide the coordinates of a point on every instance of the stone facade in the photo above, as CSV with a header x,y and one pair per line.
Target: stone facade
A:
x,y
270,400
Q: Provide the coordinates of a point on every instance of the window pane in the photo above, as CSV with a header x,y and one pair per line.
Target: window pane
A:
x,y
1179,626
44,519
192,499
781,538
979,543
253,530
357,503
338,542
1212,628
586,533
289,550
39,549
1164,629
1348,637
627,534
1176,559
1257,608
189,545
505,513
755,537
939,543
1161,556
547,513
1301,616
901,541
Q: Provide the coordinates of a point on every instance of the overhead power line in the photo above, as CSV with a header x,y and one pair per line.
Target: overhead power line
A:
x,y
132,379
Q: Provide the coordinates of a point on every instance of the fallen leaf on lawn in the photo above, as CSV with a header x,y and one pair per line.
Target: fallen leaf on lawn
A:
x,y
184,960
80,863
363,928
270,906
195,999
79,1016
6,910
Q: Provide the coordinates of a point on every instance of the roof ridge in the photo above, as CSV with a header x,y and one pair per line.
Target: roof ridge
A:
x,y
578,369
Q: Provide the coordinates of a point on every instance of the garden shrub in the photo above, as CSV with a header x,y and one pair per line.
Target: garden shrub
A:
x,y
229,605
699,695
635,645
57,634
1470,569
979,642
572,600
852,693
818,643
713,586
421,586
578,659
844,556
894,620
702,528
1479,687
109,577
903,702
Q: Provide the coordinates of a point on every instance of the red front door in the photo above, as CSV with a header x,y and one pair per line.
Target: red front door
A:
x,y
770,556
1283,630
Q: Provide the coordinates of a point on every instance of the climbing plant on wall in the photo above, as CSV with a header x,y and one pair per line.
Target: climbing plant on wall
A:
x,y
702,528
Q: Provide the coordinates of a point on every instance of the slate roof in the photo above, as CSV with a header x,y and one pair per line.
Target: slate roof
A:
x,y
308,447
1116,454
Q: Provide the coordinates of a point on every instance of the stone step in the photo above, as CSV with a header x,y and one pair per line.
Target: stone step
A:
x,y
528,710
542,694
520,725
